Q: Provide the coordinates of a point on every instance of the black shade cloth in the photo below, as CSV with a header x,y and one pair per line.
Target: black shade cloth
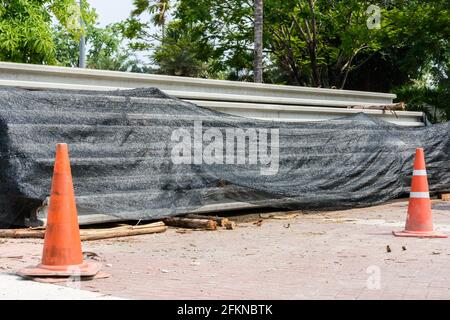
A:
x,y
120,149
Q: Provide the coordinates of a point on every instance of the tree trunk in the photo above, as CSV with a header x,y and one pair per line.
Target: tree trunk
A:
x,y
257,63
313,46
314,66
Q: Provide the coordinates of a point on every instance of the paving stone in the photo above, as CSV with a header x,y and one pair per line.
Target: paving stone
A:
x,y
325,255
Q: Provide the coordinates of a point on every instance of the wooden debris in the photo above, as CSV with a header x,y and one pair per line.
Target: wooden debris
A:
x,y
258,223
278,215
123,231
285,216
22,233
444,196
312,233
230,225
221,221
90,234
183,231
245,217
203,224
387,107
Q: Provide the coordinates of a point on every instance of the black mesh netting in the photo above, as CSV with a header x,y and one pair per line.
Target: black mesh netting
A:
x,y
122,146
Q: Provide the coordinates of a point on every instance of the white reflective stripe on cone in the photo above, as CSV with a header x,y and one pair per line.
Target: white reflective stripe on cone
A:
x,y
419,172
420,195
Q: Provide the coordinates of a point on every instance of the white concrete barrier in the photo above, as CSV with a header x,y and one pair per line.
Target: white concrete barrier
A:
x,y
253,100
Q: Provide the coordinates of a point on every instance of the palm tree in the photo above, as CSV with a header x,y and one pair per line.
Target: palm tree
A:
x,y
258,49
161,7
157,8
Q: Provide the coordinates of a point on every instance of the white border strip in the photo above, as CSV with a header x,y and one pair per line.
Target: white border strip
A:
x,y
419,195
419,172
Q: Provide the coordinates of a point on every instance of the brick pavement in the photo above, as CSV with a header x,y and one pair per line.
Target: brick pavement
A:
x,y
329,255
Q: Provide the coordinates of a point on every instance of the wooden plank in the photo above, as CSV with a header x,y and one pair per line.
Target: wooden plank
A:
x,y
90,234
97,234
22,233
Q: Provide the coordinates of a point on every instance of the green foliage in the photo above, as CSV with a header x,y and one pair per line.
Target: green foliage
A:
x,y
66,48
182,52
229,26
158,10
319,42
421,31
26,33
68,13
327,43
139,31
434,102
324,40
416,48
431,95
105,49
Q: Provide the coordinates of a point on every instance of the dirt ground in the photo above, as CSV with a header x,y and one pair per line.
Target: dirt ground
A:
x,y
330,255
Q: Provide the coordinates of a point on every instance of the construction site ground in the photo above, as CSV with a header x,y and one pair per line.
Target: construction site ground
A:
x,y
348,254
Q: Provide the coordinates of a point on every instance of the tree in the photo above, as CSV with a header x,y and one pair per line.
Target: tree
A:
x,y
414,38
414,59
313,42
229,26
66,48
139,33
158,9
319,43
432,101
26,27
106,49
182,52
258,60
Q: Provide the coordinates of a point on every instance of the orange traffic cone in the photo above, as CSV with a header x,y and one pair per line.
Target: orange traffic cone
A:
x,y
62,255
419,222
